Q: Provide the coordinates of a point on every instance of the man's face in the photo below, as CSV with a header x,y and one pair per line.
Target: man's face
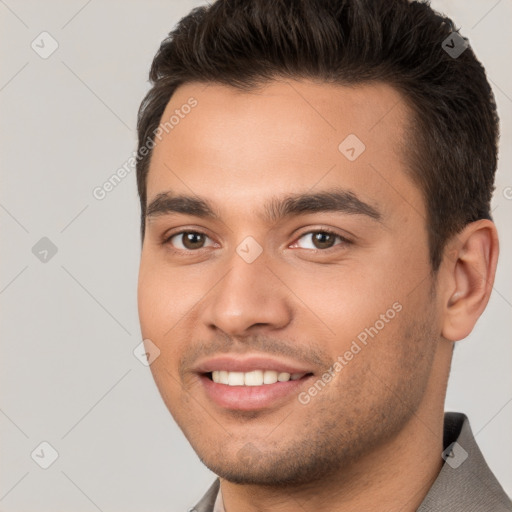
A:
x,y
247,292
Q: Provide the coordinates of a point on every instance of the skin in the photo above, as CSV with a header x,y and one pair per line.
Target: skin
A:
x,y
374,432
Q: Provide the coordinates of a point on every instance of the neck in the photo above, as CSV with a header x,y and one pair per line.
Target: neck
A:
x,y
397,475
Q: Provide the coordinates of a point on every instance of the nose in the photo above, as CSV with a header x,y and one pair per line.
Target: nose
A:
x,y
248,297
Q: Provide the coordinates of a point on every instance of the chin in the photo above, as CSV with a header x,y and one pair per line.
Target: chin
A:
x,y
251,467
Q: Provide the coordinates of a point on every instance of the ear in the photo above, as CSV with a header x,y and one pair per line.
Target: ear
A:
x,y
469,267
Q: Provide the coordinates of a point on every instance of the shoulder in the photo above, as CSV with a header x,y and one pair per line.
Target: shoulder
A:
x,y
465,482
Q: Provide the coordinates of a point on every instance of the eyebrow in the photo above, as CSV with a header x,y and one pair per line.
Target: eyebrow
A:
x,y
277,208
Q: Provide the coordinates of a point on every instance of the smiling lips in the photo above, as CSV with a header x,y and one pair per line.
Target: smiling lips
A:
x,y
251,383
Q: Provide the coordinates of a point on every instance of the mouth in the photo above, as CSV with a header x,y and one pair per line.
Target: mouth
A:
x,y
250,382
253,390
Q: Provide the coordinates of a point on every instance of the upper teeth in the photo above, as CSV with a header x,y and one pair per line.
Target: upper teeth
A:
x,y
254,378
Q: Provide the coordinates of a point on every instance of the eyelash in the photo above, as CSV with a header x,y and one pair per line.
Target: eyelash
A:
x,y
345,241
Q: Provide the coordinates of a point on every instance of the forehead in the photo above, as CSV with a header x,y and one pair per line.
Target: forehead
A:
x,y
239,147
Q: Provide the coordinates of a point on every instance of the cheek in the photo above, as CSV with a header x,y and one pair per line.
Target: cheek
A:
x,y
160,297
165,304
149,294
156,322
157,317
342,301
366,315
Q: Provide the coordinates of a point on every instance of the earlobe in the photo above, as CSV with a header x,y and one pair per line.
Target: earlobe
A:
x,y
470,273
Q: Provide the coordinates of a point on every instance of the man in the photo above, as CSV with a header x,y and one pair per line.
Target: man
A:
x,y
315,179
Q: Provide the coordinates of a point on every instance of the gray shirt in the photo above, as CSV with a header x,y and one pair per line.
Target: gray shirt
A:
x,y
464,484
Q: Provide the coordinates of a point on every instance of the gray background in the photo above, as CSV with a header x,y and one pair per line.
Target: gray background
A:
x,y
69,325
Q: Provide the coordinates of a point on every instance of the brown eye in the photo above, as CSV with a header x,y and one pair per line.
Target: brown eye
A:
x,y
321,240
187,240
193,240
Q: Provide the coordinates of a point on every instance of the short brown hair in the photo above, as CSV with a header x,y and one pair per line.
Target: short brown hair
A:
x,y
246,43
